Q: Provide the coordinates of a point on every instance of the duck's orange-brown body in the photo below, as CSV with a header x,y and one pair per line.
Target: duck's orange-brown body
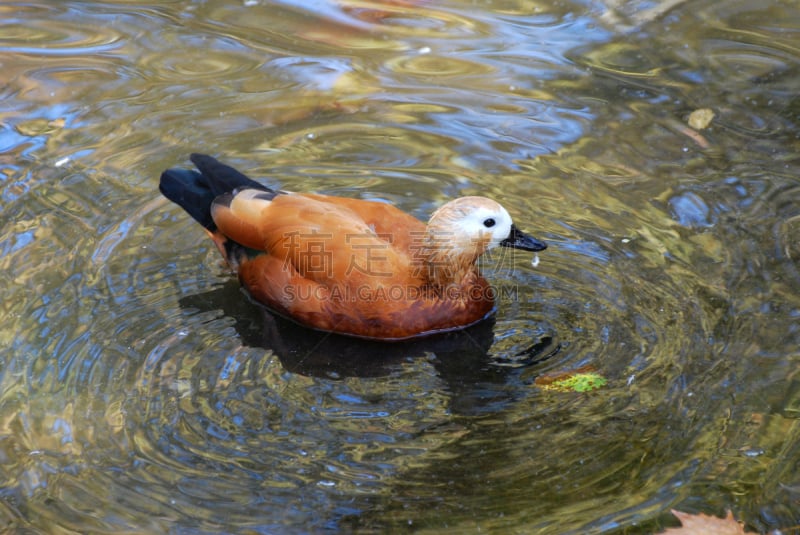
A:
x,y
350,266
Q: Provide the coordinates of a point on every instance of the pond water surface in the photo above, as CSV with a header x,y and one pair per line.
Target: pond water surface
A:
x,y
140,392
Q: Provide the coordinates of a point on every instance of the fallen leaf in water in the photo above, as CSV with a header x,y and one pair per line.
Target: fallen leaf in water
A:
x,y
702,524
700,119
581,380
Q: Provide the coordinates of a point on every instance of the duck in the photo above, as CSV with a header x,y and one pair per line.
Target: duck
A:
x,y
344,265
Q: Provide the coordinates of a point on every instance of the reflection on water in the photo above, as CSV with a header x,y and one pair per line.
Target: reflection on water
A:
x,y
141,392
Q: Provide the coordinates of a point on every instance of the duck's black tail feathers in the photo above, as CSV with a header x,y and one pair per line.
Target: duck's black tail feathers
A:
x,y
195,191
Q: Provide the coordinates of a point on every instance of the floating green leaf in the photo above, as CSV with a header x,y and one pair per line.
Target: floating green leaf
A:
x,y
578,382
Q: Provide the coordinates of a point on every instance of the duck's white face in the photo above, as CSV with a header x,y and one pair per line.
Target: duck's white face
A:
x,y
482,220
477,224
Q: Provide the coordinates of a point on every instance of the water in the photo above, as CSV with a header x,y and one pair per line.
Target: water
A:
x,y
141,392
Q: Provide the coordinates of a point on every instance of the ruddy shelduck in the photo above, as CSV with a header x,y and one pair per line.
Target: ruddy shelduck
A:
x,y
350,266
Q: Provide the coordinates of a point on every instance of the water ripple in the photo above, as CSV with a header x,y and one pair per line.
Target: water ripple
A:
x,y
26,35
440,66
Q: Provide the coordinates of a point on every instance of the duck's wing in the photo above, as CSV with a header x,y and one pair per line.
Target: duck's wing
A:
x,y
328,239
396,226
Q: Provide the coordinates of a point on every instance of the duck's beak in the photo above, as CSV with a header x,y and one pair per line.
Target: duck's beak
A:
x,y
519,240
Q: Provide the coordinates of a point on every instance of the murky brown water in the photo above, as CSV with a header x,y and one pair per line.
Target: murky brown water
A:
x,y
141,393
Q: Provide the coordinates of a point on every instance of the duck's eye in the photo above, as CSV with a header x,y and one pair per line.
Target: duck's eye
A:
x,y
488,223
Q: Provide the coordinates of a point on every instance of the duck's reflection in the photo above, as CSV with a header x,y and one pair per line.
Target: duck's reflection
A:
x,y
462,358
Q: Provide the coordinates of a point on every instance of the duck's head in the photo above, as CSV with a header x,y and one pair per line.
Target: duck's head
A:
x,y
465,228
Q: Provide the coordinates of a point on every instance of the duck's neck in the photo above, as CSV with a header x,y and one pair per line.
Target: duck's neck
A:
x,y
444,271
446,262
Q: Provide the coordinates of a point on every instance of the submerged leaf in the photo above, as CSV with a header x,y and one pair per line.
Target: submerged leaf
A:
x,y
700,119
702,524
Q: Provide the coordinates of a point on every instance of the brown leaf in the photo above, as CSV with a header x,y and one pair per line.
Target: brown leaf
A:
x,y
702,524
